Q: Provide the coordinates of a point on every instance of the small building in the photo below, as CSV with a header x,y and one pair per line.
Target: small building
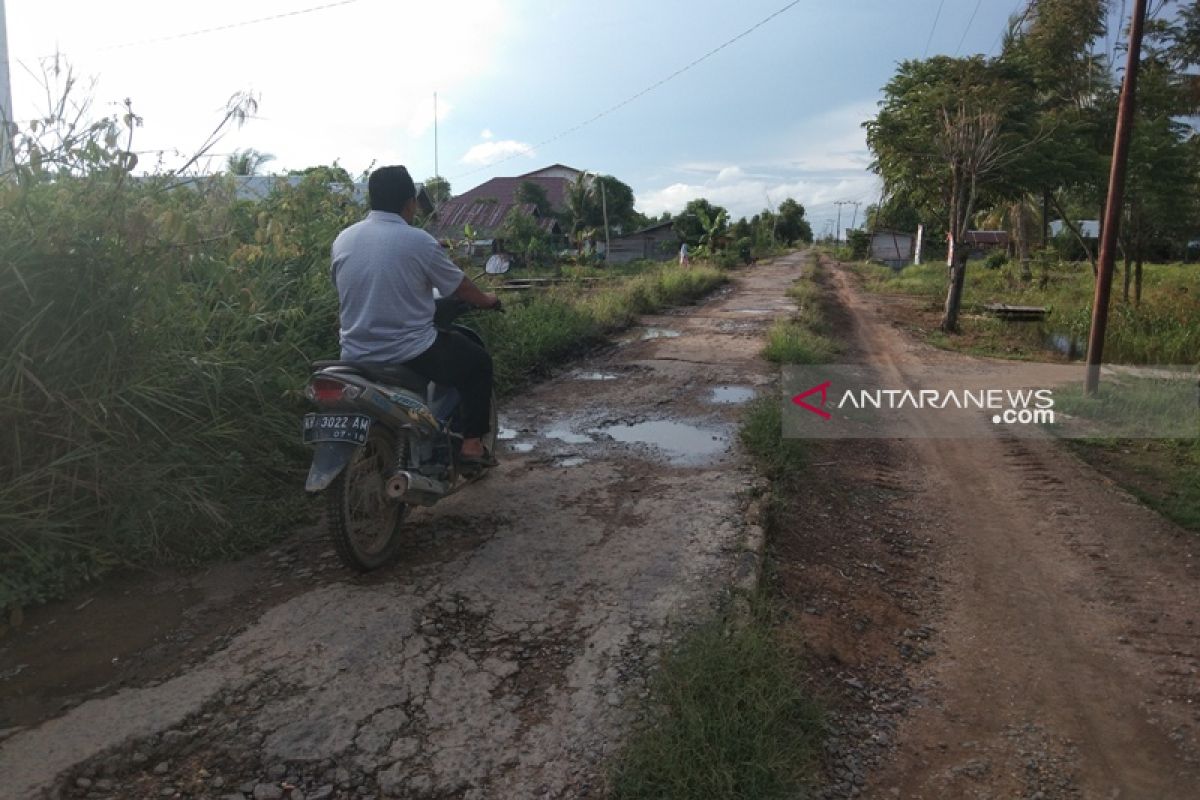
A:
x,y
554,171
978,244
893,248
658,242
485,207
1088,228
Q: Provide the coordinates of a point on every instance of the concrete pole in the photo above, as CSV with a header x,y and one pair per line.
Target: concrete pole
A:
x,y
604,210
1116,199
6,113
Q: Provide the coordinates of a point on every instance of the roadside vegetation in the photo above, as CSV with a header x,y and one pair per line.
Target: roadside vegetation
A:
x,y
729,719
155,337
803,337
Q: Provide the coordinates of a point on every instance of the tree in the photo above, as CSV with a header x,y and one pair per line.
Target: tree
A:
x,y
950,134
247,162
791,225
692,223
525,236
535,195
438,189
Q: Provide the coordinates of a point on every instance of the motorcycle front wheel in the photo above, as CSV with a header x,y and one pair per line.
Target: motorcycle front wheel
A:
x,y
365,525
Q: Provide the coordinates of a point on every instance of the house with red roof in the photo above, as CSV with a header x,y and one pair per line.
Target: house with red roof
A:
x,y
485,207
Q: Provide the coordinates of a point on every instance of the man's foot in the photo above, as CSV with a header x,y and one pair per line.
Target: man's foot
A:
x,y
473,452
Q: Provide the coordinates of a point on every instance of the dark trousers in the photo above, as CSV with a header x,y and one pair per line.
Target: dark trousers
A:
x,y
454,360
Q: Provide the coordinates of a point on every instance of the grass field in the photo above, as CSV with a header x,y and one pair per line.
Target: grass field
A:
x,y
1163,329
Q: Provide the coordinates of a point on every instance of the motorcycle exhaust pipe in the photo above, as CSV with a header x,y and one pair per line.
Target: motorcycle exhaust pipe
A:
x,y
406,485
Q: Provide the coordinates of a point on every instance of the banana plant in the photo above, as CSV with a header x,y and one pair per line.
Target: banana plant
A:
x,y
713,228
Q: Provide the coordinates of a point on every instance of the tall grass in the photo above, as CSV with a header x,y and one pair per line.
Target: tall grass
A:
x,y
1163,329
153,343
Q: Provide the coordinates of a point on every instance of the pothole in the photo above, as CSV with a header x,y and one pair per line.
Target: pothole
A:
x,y
731,395
520,447
573,461
594,376
680,442
565,434
659,333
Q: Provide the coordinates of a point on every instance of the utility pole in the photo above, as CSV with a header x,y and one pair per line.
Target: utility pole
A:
x,y
854,219
1116,198
604,210
6,113
838,235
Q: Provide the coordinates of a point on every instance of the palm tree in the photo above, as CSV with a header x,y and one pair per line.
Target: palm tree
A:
x,y
579,198
247,162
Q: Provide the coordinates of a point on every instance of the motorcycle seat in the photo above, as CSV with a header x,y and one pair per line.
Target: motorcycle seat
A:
x,y
389,374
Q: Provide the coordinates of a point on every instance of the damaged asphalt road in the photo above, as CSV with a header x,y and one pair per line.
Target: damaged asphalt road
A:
x,y
506,661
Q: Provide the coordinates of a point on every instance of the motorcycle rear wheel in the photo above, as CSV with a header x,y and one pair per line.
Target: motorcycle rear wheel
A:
x,y
366,526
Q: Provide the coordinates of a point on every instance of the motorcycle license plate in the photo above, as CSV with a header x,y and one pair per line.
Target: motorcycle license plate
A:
x,y
336,428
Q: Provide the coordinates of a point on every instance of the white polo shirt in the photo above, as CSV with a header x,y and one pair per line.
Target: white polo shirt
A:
x,y
385,271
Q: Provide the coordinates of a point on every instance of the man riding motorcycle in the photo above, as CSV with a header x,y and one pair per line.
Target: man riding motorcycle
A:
x,y
385,271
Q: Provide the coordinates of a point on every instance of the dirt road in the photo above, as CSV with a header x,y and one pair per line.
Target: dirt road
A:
x,y
1066,623
501,656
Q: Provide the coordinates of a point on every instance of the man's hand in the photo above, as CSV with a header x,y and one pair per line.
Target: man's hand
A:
x,y
468,292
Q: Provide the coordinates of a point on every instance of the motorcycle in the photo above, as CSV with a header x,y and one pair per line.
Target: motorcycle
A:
x,y
385,439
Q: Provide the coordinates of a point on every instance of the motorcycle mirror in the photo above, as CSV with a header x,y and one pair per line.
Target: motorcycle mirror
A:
x,y
497,265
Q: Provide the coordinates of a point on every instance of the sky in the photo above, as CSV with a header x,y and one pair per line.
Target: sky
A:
x,y
777,113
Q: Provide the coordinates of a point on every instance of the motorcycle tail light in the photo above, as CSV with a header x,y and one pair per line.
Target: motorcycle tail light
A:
x,y
326,391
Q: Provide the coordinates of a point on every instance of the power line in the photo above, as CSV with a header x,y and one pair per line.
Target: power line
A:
x,y
647,90
978,3
933,28
217,28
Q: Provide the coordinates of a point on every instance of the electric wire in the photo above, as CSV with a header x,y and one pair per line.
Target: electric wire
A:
x,y
966,30
933,28
531,148
216,28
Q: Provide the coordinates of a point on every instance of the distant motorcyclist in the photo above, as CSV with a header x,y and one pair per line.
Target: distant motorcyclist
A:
x,y
385,271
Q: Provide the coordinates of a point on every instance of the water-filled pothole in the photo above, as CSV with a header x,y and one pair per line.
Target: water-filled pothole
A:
x,y
659,333
520,447
731,395
565,434
682,443
594,376
573,461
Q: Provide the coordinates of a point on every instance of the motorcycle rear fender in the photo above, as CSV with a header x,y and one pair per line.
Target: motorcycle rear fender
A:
x,y
329,459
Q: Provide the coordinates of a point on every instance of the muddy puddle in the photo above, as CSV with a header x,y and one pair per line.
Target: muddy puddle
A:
x,y
731,395
658,333
573,461
680,442
594,376
563,433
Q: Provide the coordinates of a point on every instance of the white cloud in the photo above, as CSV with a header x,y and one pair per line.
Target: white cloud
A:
x,y
746,196
821,160
490,152
486,133
313,109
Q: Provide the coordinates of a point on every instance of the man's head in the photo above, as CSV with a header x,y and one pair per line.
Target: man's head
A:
x,y
392,189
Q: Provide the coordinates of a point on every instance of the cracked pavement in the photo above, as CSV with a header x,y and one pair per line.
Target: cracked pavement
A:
x,y
509,658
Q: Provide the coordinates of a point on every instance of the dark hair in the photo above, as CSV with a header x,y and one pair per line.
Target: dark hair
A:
x,y
390,188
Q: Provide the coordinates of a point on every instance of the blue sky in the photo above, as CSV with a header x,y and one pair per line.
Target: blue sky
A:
x,y
773,115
